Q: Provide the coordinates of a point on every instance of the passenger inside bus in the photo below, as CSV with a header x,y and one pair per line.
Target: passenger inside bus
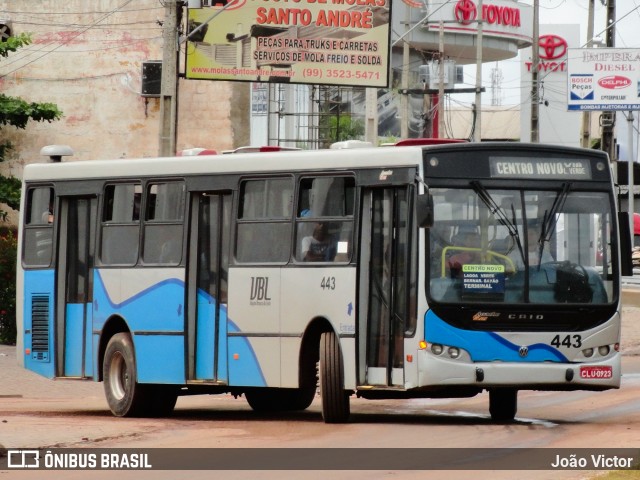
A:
x,y
467,245
320,246
47,215
533,246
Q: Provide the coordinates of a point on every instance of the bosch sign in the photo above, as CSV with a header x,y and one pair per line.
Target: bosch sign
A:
x,y
466,12
551,49
614,82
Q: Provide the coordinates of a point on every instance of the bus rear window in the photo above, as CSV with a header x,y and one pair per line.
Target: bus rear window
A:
x,y
38,232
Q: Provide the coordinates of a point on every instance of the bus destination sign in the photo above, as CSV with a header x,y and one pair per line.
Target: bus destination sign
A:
x,y
517,167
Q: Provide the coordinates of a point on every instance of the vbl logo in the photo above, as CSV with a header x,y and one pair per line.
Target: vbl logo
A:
x,y
260,288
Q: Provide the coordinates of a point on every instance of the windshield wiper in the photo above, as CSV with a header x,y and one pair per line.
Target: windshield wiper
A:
x,y
495,210
550,219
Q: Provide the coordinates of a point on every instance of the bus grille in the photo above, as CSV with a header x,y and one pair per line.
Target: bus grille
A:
x,y
40,327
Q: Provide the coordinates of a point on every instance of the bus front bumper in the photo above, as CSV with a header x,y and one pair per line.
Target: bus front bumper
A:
x,y
597,375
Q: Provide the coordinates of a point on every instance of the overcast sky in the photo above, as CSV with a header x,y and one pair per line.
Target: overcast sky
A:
x,y
559,12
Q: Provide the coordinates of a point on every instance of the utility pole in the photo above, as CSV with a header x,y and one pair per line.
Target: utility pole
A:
x,y
586,115
608,118
477,131
630,162
404,100
441,82
169,80
535,60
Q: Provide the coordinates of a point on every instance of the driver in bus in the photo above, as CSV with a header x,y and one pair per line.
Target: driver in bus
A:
x,y
533,246
469,252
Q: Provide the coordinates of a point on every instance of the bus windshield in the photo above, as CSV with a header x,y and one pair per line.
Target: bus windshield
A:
x,y
521,246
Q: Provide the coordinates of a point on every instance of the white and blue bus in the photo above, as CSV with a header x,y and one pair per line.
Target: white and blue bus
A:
x,y
396,272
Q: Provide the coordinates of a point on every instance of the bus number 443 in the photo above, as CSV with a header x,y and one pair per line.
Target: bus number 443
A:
x,y
568,341
328,283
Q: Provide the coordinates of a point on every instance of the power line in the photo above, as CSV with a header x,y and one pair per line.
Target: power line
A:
x,y
80,32
94,12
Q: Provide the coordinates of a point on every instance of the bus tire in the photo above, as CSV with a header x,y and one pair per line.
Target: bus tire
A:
x,y
303,397
161,400
335,400
503,404
125,396
279,399
266,400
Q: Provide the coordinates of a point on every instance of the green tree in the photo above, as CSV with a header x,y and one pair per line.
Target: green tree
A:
x,y
345,127
8,248
16,112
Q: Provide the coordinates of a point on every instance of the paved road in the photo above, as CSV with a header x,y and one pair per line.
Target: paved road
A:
x,y
35,412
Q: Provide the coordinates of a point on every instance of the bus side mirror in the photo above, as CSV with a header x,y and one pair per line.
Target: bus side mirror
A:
x,y
626,264
424,209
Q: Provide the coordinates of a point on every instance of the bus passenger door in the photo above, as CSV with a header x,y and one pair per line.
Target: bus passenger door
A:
x,y
208,268
75,287
384,283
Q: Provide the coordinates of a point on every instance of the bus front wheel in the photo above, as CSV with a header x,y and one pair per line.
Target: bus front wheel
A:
x,y
335,400
503,404
125,396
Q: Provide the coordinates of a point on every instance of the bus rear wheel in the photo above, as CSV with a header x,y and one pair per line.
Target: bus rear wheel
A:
x,y
335,400
125,396
161,400
503,404
279,399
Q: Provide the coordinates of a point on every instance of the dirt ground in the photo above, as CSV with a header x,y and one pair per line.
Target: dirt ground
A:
x,y
630,336
35,411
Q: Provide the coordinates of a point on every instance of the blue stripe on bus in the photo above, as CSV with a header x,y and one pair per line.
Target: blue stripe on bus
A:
x,y
73,339
141,312
157,308
485,346
39,283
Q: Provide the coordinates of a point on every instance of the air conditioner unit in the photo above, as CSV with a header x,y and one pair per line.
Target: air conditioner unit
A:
x,y
151,78
6,29
429,75
448,74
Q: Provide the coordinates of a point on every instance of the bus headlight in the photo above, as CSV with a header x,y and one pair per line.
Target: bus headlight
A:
x,y
436,349
587,352
604,350
453,352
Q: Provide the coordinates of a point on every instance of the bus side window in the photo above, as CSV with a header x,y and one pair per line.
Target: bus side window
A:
x,y
264,220
325,219
38,230
163,226
120,224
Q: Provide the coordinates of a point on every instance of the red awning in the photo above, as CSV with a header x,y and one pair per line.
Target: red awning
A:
x,y
636,223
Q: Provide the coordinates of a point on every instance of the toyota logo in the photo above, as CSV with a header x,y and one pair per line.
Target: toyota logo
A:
x,y
552,47
465,11
524,351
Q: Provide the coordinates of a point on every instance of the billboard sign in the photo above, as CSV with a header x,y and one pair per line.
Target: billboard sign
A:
x,y
503,19
342,42
556,125
604,79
